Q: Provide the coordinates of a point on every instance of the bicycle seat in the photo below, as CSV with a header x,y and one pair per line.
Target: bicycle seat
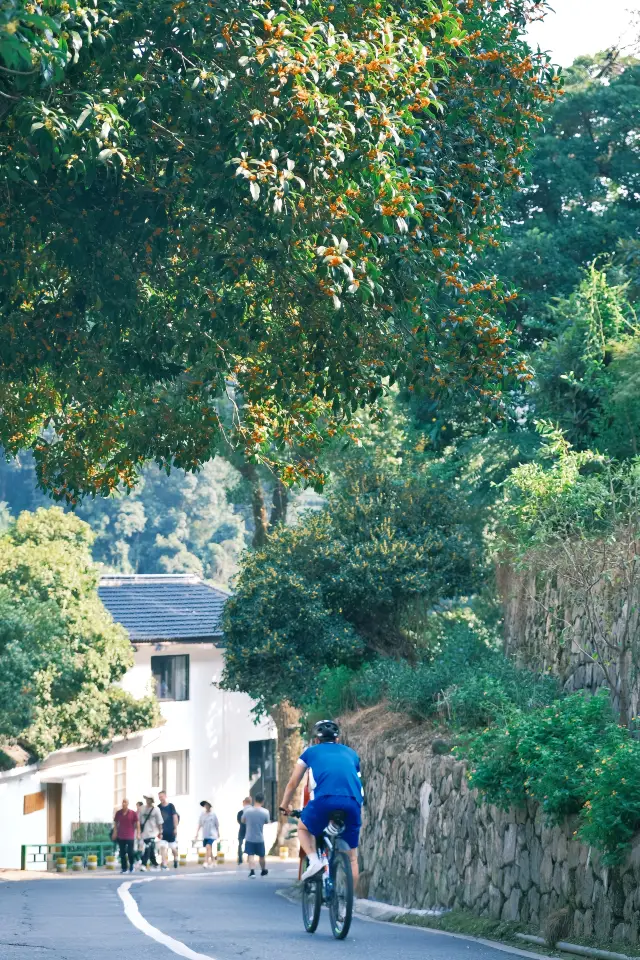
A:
x,y
336,823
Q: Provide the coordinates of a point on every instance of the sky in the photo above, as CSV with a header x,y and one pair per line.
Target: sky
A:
x,y
582,26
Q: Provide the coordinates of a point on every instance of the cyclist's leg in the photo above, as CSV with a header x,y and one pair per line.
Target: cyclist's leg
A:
x,y
351,834
353,858
307,839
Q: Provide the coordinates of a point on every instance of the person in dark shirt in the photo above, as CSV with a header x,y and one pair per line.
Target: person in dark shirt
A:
x,y
242,827
170,820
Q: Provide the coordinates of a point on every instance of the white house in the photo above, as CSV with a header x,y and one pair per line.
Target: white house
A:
x,y
209,748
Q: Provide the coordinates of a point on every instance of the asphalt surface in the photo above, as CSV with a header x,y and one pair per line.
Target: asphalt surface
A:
x,y
222,915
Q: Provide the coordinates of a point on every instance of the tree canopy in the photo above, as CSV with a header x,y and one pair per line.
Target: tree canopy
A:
x,y
347,583
582,201
288,198
60,652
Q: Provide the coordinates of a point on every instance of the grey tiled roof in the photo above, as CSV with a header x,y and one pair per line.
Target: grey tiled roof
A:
x,y
164,606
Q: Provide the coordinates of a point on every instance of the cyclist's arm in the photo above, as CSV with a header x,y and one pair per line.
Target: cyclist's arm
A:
x,y
296,779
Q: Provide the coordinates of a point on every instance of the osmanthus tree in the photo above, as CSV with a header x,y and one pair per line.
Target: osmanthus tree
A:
x,y
285,199
61,654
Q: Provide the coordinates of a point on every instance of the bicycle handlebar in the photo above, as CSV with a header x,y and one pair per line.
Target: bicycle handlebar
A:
x,y
293,813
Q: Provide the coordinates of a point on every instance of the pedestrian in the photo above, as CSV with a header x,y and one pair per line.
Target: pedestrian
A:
x,y
255,818
150,830
139,844
210,827
125,830
170,820
242,827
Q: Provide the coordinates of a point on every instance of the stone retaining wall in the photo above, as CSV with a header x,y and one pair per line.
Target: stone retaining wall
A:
x,y
546,631
428,843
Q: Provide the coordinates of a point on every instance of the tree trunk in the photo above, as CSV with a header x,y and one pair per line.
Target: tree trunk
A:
x,y
250,473
290,746
625,671
279,505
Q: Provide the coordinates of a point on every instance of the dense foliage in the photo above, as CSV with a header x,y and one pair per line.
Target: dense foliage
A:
x,y
181,523
565,496
346,583
587,377
571,758
461,678
582,199
284,197
60,652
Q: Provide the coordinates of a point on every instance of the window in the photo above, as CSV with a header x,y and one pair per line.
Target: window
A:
x,y
170,772
171,677
119,781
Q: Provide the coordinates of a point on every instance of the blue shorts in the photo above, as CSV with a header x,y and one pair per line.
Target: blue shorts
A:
x,y
254,848
207,842
315,817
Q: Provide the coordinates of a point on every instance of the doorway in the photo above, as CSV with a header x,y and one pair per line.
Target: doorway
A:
x,y
262,772
54,813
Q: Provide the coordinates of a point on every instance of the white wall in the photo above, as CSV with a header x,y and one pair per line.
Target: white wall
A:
x,y
32,828
213,725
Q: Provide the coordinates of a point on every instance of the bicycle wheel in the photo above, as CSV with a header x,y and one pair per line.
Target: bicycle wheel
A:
x,y
341,904
311,903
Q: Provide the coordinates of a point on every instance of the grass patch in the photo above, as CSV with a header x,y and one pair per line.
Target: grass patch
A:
x,y
462,921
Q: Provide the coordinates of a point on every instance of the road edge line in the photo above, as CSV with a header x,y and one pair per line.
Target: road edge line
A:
x,y
133,915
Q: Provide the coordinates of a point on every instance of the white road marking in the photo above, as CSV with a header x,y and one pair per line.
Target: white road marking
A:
x,y
133,914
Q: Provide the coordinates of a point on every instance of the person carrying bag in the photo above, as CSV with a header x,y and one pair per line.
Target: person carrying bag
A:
x,y
151,825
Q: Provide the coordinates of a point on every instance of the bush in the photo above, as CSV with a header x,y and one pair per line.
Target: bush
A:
x,y
571,758
611,815
465,681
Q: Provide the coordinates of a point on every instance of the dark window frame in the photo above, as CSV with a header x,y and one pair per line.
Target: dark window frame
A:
x,y
159,772
159,678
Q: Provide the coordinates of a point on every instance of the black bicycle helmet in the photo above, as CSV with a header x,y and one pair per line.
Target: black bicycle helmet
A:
x,y
326,730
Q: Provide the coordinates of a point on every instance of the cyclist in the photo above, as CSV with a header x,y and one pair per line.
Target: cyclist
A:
x,y
335,784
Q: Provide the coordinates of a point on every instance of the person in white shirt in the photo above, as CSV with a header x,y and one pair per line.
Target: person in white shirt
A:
x,y
150,830
208,824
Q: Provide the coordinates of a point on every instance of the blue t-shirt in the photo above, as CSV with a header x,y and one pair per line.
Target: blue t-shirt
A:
x,y
334,771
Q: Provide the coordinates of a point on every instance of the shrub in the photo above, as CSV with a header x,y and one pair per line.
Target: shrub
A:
x,y
571,758
611,815
465,681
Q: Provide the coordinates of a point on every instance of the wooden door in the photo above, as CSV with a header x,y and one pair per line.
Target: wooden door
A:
x,y
54,813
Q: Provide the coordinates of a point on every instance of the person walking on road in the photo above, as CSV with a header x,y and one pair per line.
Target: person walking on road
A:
x,y
125,832
170,820
255,818
242,827
139,844
210,828
150,829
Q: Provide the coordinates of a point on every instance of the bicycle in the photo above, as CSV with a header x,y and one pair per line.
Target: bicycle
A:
x,y
331,886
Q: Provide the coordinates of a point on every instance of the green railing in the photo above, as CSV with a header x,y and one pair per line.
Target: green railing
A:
x,y
46,853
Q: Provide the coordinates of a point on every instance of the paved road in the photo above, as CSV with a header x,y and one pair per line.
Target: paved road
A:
x,y
223,916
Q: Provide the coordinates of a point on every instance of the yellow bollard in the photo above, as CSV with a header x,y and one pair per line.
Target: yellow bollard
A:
x,y
220,856
110,861
183,859
77,863
61,864
283,853
92,861
201,856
